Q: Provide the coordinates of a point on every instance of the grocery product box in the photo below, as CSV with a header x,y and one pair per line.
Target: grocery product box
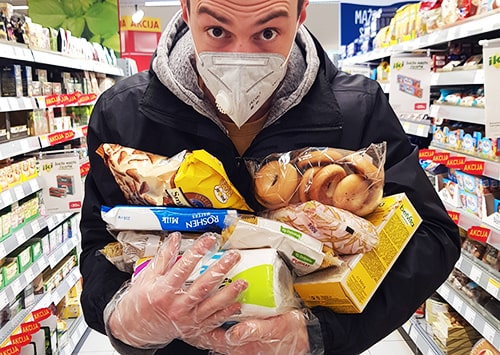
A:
x,y
9,270
347,289
23,256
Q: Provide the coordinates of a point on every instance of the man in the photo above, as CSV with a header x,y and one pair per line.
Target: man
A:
x,y
279,92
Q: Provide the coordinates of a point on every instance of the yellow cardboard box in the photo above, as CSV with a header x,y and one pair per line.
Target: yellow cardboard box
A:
x,y
347,289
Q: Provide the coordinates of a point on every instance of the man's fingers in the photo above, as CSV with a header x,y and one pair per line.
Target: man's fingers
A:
x,y
166,255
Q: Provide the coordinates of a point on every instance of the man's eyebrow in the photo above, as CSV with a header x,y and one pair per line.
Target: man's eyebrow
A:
x,y
205,10
271,16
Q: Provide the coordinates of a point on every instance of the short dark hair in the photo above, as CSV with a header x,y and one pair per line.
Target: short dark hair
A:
x,y
299,6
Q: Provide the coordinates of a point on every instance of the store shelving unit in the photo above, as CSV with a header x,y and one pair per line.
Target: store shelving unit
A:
x,y
18,53
477,271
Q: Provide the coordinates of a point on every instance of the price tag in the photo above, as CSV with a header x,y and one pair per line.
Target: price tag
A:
x,y
50,223
34,185
429,352
470,315
413,334
7,198
53,260
19,192
421,130
65,248
488,332
475,274
3,252
29,275
458,304
16,286
21,237
35,225
479,77
458,265
4,300
434,112
14,103
493,287
25,145
445,292
406,127
28,103
4,105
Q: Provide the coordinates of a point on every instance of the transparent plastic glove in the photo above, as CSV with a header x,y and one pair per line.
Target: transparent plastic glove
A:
x,y
158,307
292,333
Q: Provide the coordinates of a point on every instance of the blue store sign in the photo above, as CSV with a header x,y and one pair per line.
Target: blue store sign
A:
x,y
354,16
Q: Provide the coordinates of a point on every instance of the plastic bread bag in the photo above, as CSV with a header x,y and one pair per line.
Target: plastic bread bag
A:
x,y
349,180
188,179
304,254
132,246
181,219
342,230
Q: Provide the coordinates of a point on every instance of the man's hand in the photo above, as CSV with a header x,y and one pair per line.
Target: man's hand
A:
x,y
285,334
158,307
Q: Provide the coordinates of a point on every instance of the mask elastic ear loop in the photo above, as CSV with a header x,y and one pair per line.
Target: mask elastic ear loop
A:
x,y
291,47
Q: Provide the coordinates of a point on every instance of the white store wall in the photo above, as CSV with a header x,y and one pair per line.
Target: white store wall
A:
x,y
322,20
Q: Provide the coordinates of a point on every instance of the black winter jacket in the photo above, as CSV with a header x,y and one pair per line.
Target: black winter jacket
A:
x,y
340,110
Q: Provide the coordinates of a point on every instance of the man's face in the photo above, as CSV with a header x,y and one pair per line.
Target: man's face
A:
x,y
251,26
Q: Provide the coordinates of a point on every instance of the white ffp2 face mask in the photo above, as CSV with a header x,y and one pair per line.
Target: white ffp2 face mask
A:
x,y
241,82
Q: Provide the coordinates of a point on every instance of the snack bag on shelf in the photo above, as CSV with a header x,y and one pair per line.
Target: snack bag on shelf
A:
x,y
345,179
430,13
188,179
341,230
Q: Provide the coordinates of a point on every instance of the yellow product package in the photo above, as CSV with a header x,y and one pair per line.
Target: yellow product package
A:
x,y
204,182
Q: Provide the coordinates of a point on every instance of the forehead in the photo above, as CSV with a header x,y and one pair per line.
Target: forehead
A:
x,y
248,7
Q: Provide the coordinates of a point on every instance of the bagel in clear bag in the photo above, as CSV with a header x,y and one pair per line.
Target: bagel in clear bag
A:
x,y
350,180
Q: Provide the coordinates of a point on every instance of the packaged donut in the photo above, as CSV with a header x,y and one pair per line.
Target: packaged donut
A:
x,y
187,179
349,180
342,230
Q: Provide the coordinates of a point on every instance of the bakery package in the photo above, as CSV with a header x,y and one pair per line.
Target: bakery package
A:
x,y
131,246
349,180
150,218
303,253
348,288
187,179
270,283
343,231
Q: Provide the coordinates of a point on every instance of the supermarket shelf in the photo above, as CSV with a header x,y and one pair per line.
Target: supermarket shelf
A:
x,y
482,321
421,338
62,250
9,328
458,77
16,286
75,333
51,139
18,147
479,274
56,219
21,235
491,168
458,113
16,193
15,51
465,28
17,103
417,128
467,220
69,281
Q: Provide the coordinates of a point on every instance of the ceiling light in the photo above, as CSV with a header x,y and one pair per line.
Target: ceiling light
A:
x,y
137,16
163,3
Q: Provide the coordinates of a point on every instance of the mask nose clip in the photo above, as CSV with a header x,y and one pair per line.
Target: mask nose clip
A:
x,y
223,102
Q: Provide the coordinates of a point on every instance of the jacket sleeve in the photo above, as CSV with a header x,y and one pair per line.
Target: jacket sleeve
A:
x,y
101,279
431,253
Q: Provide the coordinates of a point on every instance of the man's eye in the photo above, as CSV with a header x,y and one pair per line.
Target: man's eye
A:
x,y
268,34
216,32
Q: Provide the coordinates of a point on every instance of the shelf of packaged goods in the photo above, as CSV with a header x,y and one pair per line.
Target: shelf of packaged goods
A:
x,y
473,26
467,221
66,100
12,326
61,60
16,193
481,320
21,235
423,340
458,77
75,332
63,288
491,168
56,219
417,128
467,114
51,139
19,146
10,291
478,272
62,250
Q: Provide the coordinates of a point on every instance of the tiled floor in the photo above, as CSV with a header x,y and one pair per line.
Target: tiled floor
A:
x,y
98,344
